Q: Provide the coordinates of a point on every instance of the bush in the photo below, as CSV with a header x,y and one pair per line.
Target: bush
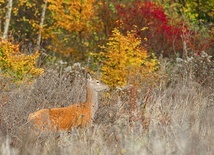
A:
x,y
15,65
124,59
199,68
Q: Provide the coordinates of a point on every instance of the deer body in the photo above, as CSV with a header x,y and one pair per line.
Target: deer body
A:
x,y
75,115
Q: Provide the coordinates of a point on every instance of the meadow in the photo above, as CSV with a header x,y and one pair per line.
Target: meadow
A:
x,y
174,118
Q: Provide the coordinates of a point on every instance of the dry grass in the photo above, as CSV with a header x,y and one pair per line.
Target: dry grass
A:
x,y
175,120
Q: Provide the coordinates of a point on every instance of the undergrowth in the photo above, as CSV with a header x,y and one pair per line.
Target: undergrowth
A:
x,y
175,118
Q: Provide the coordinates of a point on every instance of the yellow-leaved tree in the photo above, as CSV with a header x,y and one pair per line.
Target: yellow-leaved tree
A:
x,y
15,65
72,15
71,23
125,61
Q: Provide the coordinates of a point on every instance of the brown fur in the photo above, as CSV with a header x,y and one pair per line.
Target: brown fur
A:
x,y
63,119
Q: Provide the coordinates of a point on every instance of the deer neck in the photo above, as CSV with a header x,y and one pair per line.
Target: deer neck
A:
x,y
91,99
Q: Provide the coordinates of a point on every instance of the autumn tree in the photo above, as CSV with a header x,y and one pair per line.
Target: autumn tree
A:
x,y
197,11
73,15
71,23
167,32
16,66
125,61
198,16
27,15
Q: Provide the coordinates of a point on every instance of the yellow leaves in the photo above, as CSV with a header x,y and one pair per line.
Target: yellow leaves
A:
x,y
73,15
15,11
72,21
13,64
124,57
144,28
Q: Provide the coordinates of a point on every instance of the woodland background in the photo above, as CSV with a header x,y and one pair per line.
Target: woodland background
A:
x,y
156,56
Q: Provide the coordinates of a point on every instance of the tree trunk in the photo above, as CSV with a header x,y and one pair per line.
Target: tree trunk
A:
x,y
41,25
7,19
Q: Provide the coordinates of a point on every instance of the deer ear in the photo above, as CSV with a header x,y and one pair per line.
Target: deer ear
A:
x,y
88,76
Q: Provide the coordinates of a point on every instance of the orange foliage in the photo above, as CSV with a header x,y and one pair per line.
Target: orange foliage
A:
x,y
72,21
72,15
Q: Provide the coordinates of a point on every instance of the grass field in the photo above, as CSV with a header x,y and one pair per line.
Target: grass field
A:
x,y
176,118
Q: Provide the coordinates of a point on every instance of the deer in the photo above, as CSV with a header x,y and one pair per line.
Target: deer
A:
x,y
75,115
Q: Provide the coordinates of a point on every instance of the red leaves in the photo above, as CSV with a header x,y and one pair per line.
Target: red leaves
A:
x,y
152,11
161,34
164,34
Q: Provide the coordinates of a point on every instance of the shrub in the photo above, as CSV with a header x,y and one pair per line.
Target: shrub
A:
x,y
124,59
15,65
199,68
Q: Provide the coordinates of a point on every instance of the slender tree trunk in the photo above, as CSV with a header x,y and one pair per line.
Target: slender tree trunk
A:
x,y
41,25
7,19
0,24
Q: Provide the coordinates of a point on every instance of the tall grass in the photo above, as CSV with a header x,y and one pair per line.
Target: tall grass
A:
x,y
176,119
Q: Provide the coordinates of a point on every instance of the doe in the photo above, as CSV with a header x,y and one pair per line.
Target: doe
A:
x,y
79,114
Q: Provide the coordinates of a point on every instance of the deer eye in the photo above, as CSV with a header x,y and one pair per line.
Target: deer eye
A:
x,y
98,82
